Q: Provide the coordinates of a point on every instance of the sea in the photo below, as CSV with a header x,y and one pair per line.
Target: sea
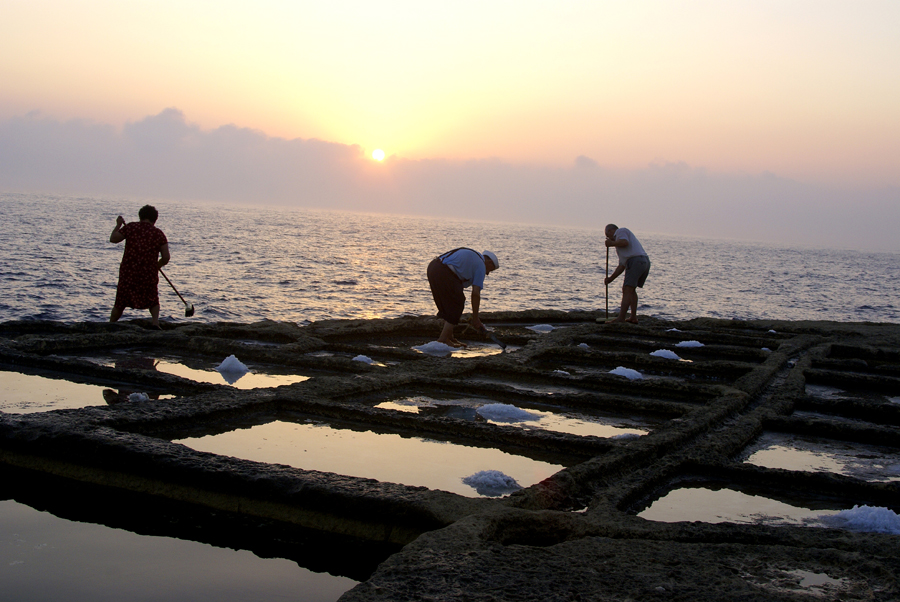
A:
x,y
250,263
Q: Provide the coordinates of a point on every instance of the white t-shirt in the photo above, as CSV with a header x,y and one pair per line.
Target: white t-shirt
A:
x,y
633,249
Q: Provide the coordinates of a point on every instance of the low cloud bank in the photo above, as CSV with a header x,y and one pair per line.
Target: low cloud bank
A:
x,y
165,156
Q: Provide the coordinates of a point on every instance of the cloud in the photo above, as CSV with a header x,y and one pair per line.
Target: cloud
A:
x,y
165,156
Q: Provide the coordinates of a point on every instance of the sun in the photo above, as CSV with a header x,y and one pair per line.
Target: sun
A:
x,y
378,154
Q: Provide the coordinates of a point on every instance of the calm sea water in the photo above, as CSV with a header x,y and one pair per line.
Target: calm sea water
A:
x,y
246,264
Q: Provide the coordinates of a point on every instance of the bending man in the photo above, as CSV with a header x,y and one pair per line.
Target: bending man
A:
x,y
448,275
633,260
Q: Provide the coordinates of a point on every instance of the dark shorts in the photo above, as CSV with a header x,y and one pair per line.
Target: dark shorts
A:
x,y
447,290
636,270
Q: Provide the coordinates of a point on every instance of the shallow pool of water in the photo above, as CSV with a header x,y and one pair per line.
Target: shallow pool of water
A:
x,y
795,452
827,392
481,409
26,393
728,505
200,371
43,557
383,456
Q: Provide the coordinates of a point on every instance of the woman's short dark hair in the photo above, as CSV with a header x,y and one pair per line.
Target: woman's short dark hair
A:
x,y
149,212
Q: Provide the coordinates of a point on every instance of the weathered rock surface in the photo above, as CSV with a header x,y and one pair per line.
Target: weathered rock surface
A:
x,y
573,536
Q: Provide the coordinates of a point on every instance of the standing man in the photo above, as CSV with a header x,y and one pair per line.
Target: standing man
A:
x,y
633,260
146,250
448,275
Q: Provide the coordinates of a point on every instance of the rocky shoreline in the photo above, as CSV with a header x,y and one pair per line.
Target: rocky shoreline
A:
x,y
573,536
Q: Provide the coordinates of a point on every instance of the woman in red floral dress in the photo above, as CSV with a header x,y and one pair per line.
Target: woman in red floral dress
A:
x,y
146,250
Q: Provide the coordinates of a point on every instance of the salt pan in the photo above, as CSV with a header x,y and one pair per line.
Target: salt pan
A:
x,y
865,518
435,348
541,328
504,412
671,355
689,344
364,359
138,397
491,483
627,373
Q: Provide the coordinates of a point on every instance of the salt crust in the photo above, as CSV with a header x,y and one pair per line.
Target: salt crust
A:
x,y
671,355
435,348
232,364
870,519
491,483
504,412
627,373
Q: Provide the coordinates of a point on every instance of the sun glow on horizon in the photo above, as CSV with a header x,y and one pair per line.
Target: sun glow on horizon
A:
x,y
378,154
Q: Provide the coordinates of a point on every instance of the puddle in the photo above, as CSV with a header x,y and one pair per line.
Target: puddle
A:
x,y
26,393
473,349
530,387
826,392
727,505
43,557
385,457
480,409
204,372
794,452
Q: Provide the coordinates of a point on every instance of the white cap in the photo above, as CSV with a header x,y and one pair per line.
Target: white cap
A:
x,y
490,255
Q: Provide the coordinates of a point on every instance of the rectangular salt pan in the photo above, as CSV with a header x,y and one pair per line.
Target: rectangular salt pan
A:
x,y
27,393
727,505
385,457
571,422
794,452
48,558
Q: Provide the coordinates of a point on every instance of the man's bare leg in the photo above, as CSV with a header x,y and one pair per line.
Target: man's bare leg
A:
x,y
623,310
631,293
447,336
116,314
154,313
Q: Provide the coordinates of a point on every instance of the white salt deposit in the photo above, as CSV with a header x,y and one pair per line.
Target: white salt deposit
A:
x,y
561,373
670,355
503,412
894,399
138,397
584,345
766,349
865,518
772,332
492,483
689,344
541,328
673,330
435,348
232,364
627,373
364,359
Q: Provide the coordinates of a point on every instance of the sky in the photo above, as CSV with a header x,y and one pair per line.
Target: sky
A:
x,y
762,120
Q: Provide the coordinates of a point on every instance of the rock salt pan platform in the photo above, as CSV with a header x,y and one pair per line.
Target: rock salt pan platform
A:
x,y
575,535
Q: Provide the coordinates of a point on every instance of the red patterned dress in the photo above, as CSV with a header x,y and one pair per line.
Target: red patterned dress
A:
x,y
138,272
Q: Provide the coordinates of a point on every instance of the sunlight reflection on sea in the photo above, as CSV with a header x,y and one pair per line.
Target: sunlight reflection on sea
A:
x,y
245,264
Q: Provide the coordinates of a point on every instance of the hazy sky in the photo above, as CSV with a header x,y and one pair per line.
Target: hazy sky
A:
x,y
669,116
